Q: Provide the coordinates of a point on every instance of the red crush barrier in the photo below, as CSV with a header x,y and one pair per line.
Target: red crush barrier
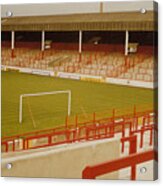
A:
x,y
92,130
91,172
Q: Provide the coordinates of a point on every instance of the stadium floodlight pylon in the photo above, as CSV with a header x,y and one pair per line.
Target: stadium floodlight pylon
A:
x,y
68,92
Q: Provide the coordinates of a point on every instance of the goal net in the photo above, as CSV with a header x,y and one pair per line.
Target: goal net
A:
x,y
44,107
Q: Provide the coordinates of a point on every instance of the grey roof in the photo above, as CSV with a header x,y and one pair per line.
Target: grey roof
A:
x,y
119,21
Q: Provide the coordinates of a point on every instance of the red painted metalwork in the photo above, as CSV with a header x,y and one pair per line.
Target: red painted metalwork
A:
x,y
42,54
91,130
80,57
143,129
133,143
12,53
132,149
91,172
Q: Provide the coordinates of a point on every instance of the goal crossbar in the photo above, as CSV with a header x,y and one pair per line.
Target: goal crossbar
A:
x,y
68,92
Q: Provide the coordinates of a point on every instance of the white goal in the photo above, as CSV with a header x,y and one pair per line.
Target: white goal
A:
x,y
68,92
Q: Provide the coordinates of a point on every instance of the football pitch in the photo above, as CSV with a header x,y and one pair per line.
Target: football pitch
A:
x,y
50,111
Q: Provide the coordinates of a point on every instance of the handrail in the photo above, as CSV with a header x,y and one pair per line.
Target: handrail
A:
x,y
127,116
91,172
87,132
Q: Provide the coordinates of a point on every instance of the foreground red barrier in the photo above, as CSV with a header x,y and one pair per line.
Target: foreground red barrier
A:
x,y
132,149
91,172
92,130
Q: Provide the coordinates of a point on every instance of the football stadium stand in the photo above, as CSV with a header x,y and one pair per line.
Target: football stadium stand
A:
x,y
138,67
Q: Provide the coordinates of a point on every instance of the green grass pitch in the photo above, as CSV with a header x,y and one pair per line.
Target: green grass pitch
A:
x,y
50,111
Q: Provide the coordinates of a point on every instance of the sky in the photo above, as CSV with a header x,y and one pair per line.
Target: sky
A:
x,y
69,8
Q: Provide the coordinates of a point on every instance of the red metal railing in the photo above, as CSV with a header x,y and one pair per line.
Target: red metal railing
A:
x,y
134,158
91,130
91,172
132,149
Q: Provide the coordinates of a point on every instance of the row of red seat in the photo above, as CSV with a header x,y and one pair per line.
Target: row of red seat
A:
x,y
141,67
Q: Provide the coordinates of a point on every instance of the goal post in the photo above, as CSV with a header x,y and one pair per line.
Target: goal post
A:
x,y
68,92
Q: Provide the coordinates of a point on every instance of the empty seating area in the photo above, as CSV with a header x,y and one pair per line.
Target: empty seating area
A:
x,y
103,64
138,67
144,70
24,57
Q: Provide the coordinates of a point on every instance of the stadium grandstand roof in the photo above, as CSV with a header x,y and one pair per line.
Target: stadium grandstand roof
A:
x,y
119,21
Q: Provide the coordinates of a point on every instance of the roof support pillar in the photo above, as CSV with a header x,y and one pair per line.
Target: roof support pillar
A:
x,y
42,43
80,44
12,43
80,41
126,43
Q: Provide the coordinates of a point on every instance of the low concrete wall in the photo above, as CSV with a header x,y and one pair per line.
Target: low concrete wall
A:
x,y
132,83
83,77
67,161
